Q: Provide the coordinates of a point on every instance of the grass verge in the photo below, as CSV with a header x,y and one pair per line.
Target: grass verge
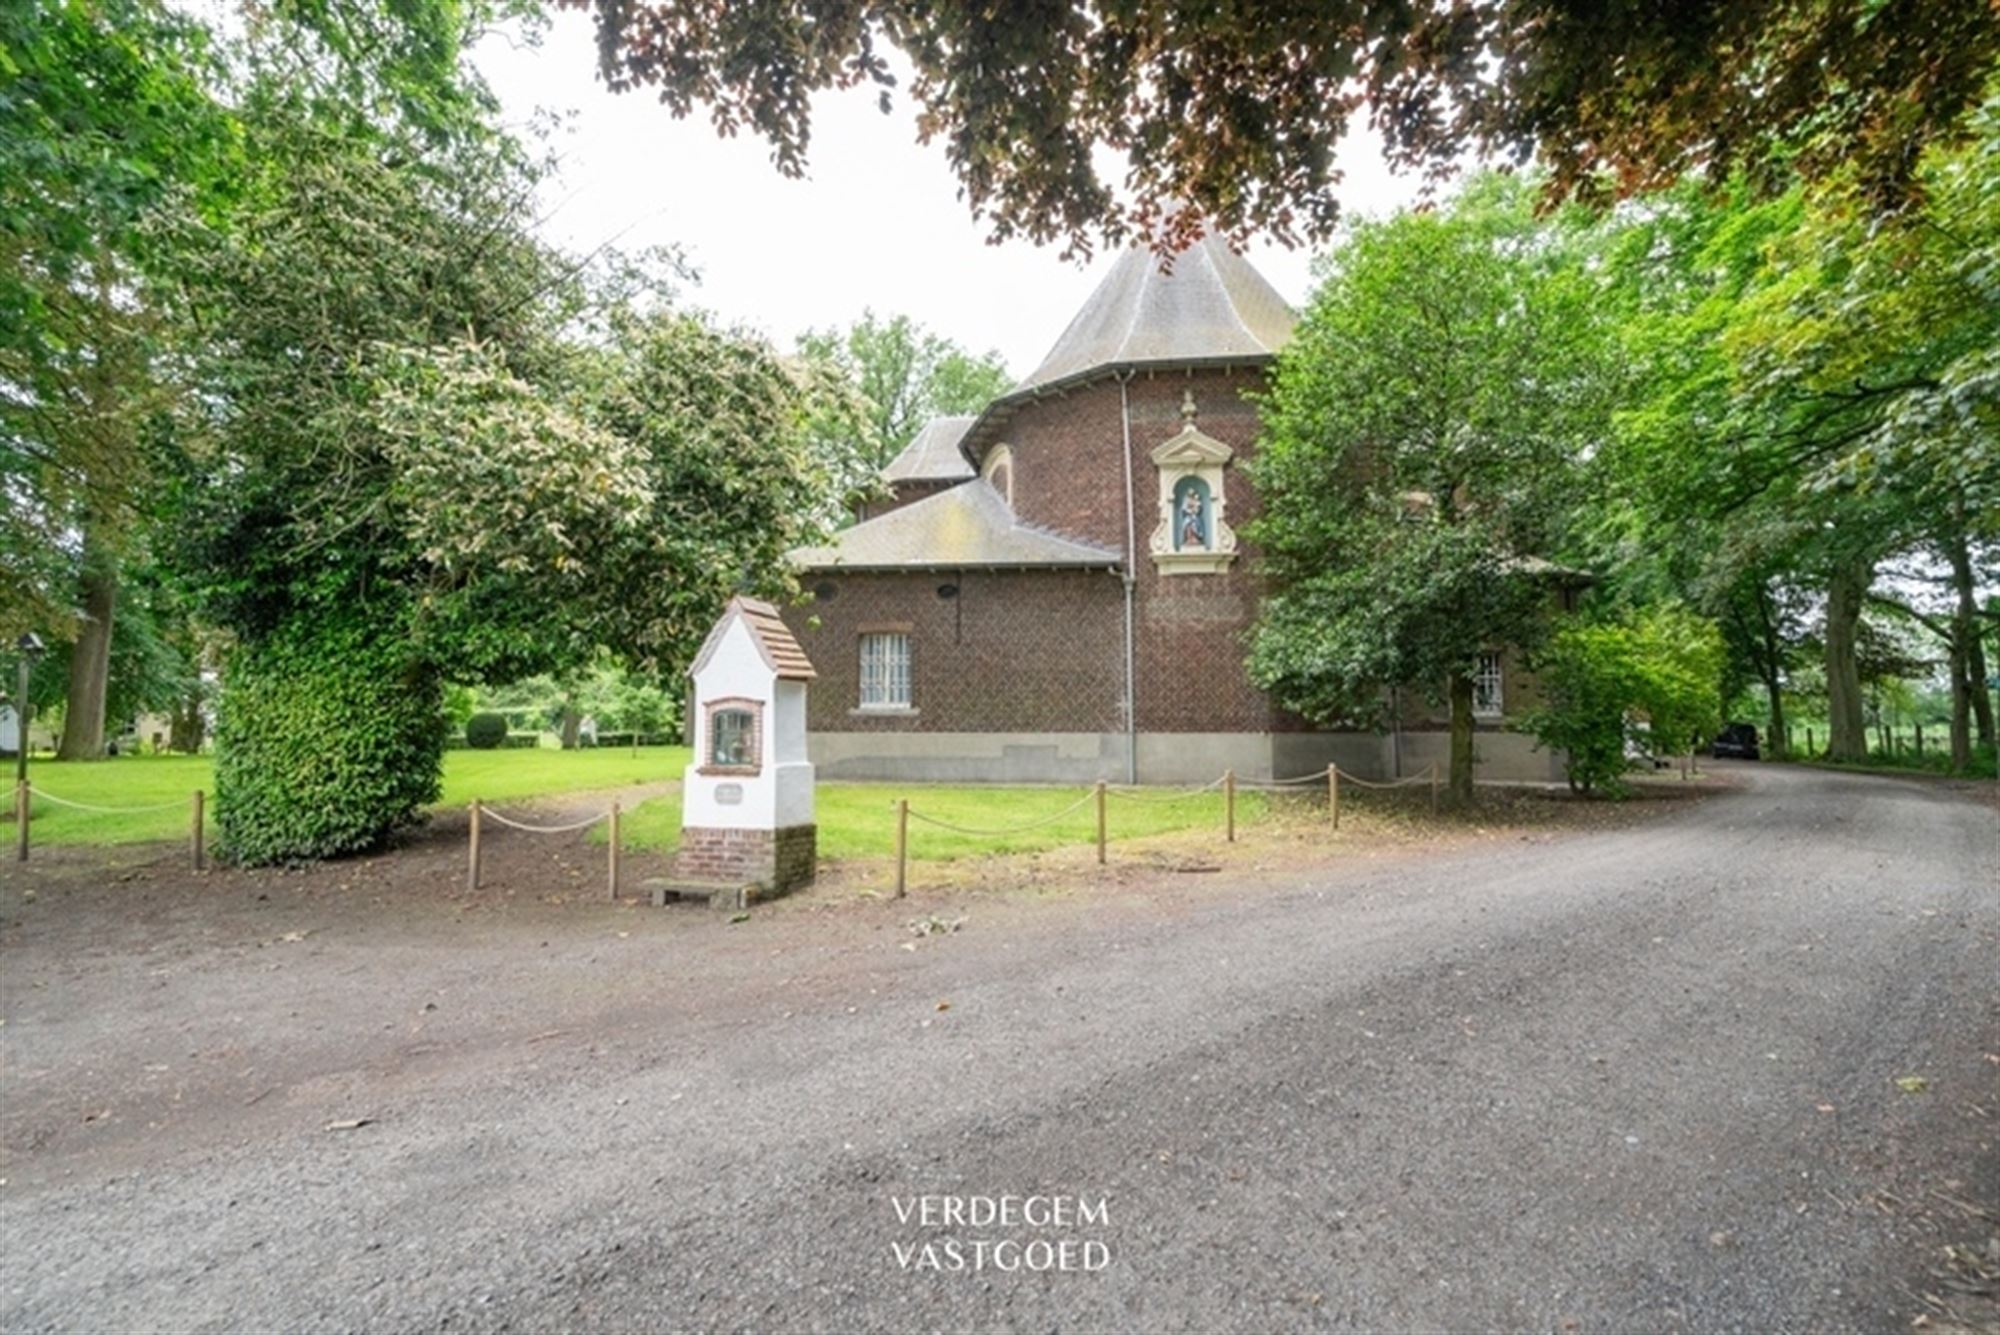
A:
x,y
858,820
148,781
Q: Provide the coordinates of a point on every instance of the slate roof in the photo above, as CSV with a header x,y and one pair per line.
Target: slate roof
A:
x,y
963,527
1213,307
933,455
781,652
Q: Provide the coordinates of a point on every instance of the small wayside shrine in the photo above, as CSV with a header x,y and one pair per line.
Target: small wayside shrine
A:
x,y
747,799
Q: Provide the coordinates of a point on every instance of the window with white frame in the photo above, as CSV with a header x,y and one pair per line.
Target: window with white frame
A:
x,y
1487,698
885,670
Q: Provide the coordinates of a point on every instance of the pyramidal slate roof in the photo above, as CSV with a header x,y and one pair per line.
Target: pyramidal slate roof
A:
x,y
965,527
933,455
1212,307
780,650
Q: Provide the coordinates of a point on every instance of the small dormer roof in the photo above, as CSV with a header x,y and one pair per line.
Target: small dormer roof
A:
x,y
932,454
966,527
775,643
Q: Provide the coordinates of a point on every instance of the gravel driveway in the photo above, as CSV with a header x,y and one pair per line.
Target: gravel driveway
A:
x,y
1637,1078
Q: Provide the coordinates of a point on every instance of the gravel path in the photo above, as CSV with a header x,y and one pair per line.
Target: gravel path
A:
x,y
1643,1078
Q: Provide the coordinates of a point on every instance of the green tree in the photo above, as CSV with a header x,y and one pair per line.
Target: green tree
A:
x,y
402,472
106,118
1422,450
1601,681
1241,111
1818,399
907,374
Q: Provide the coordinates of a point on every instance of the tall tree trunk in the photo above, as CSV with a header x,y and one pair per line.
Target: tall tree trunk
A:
x,y
1961,705
90,659
1847,734
1772,669
1460,781
1982,700
188,727
1965,636
571,722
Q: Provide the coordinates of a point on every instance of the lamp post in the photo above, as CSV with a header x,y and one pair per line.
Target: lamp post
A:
x,y
30,646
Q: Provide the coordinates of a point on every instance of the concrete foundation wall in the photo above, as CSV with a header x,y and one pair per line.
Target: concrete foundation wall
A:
x,y
1499,757
969,757
1164,757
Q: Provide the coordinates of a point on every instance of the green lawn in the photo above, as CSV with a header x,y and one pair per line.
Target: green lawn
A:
x,y
858,820
143,781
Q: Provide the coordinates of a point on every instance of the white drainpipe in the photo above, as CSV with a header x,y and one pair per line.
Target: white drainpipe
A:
x,y
1131,579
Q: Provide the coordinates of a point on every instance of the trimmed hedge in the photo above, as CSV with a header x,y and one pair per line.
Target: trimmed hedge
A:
x,y
483,732
330,739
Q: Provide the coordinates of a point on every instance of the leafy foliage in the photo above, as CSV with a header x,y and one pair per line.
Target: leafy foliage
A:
x,y
1816,399
483,732
1423,447
1240,112
907,375
328,741
1601,681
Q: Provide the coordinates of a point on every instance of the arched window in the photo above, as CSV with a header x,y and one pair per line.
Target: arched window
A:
x,y
1194,516
998,470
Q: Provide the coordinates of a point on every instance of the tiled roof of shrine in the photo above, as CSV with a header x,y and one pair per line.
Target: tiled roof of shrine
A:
x,y
773,638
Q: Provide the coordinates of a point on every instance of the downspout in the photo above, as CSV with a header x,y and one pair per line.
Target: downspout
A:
x,y
1131,579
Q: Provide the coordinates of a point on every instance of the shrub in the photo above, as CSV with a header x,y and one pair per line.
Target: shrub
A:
x,y
1664,667
330,739
483,732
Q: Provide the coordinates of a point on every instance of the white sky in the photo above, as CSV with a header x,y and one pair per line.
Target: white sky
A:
x,y
877,222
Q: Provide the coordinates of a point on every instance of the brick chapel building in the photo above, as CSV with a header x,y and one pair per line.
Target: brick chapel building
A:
x,y
1056,589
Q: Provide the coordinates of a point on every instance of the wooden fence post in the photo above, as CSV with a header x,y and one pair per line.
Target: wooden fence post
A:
x,y
1100,822
1333,794
195,833
472,856
1920,739
902,845
1229,804
23,800
613,870
1809,743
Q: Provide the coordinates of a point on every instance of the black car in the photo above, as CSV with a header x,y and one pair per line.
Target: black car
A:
x,y
1738,741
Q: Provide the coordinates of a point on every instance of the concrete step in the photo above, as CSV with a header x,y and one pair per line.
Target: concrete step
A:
x,y
667,890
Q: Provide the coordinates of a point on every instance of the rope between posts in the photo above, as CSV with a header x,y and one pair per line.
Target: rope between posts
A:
x,y
1425,777
1137,795
34,792
486,811
1319,777
1012,829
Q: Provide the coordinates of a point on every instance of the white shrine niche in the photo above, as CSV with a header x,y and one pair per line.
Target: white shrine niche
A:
x,y
1193,536
747,795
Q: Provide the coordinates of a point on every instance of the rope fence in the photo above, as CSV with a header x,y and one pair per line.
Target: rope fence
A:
x,y
1331,776
481,813
26,795
1141,795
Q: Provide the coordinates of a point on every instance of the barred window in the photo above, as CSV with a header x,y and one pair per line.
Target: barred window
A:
x,y
885,671
732,738
1486,688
